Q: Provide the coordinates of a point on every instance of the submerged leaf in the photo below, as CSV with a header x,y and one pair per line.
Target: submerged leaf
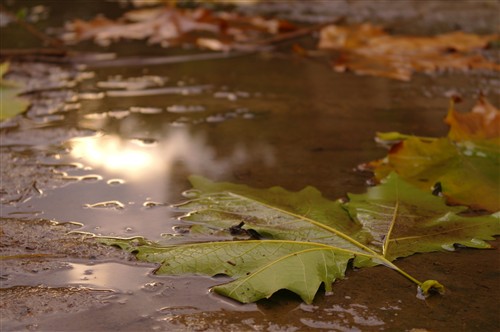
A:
x,y
309,240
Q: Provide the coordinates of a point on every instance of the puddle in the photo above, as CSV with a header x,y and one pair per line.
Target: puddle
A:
x,y
110,276
134,296
112,147
124,187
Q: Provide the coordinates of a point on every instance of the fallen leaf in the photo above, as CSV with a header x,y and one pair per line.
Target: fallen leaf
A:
x,y
465,164
367,50
348,37
404,220
307,239
481,124
11,104
167,26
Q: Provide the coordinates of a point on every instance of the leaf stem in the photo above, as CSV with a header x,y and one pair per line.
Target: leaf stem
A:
x,y
396,268
373,253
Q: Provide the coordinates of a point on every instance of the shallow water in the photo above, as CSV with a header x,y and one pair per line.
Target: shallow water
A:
x,y
112,149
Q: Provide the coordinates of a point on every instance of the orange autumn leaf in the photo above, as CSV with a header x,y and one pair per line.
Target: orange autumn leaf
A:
x,y
482,123
159,25
168,26
342,37
368,50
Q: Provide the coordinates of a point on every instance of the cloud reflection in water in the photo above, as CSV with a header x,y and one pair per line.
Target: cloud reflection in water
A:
x,y
137,159
134,181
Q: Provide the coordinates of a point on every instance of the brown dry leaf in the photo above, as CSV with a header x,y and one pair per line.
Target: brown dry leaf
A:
x,y
368,50
168,26
159,25
343,37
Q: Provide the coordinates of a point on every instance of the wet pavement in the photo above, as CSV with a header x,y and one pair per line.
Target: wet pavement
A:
x,y
107,151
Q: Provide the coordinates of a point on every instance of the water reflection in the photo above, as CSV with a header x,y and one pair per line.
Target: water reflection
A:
x,y
136,159
112,153
135,180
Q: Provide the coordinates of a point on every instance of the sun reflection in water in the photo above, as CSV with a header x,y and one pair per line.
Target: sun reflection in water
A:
x,y
112,152
125,186
144,158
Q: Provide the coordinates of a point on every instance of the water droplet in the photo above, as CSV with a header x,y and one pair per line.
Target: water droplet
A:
x,y
59,167
145,141
95,116
160,91
114,182
248,116
152,286
478,242
131,83
180,122
448,247
191,193
216,118
227,95
71,107
91,95
145,110
87,178
181,229
242,94
91,177
48,119
108,204
118,114
185,108
151,204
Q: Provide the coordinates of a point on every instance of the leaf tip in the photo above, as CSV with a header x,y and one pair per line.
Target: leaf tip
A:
x,y
430,287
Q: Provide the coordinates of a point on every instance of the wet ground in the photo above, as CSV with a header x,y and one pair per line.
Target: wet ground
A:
x,y
107,150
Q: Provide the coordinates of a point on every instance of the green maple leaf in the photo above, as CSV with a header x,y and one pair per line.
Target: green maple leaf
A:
x,y
404,220
307,239
10,103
